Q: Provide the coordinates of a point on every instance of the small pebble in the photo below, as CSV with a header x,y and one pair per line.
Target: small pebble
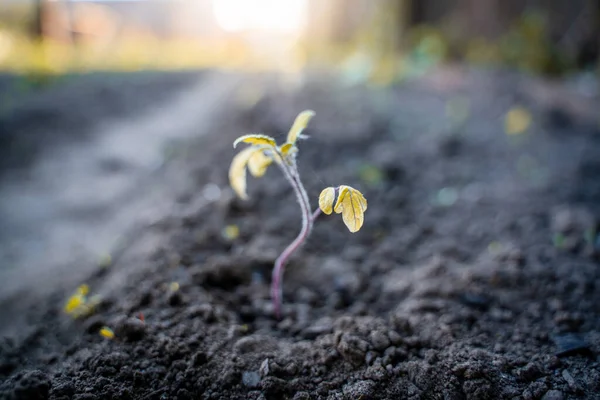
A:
x,y
570,380
264,368
250,379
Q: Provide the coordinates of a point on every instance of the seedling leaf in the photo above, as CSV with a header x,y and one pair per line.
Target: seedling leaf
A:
x,y
256,139
258,163
107,333
326,199
287,148
79,305
299,124
352,205
342,191
237,170
73,303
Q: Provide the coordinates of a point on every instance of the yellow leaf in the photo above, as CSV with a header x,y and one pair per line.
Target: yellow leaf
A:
x,y
343,191
107,333
258,163
361,198
299,124
287,148
237,170
352,205
256,139
74,302
326,200
517,121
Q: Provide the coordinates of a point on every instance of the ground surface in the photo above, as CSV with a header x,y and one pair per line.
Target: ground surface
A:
x,y
475,276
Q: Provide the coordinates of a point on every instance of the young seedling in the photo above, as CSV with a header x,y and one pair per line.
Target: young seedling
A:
x,y
263,152
79,304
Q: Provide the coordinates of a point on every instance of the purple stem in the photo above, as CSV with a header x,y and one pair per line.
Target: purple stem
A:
x,y
315,214
276,285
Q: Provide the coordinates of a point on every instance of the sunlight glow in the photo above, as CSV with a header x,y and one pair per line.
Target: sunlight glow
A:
x,y
6,44
269,16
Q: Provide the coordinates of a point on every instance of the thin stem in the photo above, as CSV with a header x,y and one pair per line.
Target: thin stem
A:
x,y
315,214
291,173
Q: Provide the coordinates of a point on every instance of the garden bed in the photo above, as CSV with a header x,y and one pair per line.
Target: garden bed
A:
x,y
475,275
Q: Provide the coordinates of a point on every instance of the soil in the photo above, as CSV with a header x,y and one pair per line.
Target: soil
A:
x,y
475,276
65,107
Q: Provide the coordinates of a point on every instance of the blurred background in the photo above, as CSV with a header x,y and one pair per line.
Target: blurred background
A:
x,y
387,39
97,97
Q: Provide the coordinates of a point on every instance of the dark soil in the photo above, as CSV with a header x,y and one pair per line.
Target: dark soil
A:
x,y
475,276
39,112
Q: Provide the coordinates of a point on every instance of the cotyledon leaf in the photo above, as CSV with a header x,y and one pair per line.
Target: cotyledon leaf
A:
x,y
237,170
256,139
361,198
326,199
342,191
299,124
352,205
258,163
